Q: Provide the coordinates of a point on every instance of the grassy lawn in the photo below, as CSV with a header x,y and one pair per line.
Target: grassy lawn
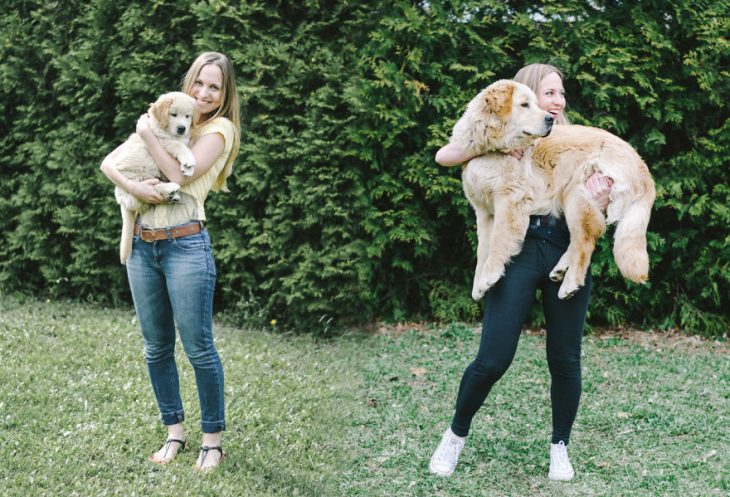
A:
x,y
78,416
352,416
654,419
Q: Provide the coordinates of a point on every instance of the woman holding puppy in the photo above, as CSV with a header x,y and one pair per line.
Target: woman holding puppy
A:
x,y
171,270
508,302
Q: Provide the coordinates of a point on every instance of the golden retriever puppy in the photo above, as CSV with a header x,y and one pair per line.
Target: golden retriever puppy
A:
x,y
550,179
171,119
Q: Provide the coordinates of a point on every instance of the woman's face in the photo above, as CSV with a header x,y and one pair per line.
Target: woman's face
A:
x,y
551,95
208,89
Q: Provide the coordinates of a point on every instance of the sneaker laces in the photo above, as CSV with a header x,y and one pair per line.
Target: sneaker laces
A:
x,y
560,455
449,451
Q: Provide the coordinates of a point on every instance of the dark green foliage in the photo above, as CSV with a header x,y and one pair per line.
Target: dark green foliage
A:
x,y
337,213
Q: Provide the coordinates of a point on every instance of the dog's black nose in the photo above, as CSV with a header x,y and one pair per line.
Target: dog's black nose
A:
x,y
549,120
181,130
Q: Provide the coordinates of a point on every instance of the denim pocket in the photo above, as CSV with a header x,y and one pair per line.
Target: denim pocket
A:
x,y
192,243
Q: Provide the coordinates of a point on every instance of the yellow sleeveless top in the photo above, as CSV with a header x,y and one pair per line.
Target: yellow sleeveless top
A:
x,y
193,195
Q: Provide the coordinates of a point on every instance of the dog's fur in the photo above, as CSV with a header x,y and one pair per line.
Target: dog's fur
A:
x,y
171,120
550,179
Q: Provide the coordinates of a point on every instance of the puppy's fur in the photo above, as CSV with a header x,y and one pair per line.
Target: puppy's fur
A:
x,y
550,179
171,119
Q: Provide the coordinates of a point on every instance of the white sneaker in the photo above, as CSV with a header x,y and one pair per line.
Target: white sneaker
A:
x,y
447,453
560,467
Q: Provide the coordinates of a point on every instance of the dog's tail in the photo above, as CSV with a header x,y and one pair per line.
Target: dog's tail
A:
x,y
125,245
629,245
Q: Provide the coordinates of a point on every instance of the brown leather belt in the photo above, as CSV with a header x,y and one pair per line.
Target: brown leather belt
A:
x,y
151,235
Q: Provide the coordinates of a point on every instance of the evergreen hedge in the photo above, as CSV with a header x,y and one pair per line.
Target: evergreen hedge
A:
x,y
337,213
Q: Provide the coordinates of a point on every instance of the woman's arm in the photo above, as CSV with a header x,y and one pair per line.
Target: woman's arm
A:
x,y
205,150
452,155
598,185
143,190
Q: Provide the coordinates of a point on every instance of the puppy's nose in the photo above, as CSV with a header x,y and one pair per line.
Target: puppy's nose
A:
x,y
181,130
549,120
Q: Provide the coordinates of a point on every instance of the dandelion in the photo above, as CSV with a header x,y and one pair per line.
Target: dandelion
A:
x,y
273,322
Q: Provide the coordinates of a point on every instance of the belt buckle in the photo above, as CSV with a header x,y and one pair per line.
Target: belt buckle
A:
x,y
146,234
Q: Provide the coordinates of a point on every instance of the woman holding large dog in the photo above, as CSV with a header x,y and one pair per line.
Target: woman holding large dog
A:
x,y
171,270
508,302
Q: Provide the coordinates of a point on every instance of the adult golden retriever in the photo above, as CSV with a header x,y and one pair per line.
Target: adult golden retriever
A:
x,y
171,120
550,179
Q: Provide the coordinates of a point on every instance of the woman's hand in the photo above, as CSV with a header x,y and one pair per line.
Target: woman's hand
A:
x,y
144,190
599,187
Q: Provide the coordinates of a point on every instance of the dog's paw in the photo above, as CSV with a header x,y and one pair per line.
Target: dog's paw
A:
x,y
169,191
477,294
561,268
568,289
484,283
187,168
558,273
492,277
478,290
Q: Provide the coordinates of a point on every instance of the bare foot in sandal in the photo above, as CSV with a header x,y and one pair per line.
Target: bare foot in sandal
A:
x,y
211,452
175,442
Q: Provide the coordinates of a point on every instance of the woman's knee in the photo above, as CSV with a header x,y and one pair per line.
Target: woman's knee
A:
x,y
156,351
200,352
488,371
565,365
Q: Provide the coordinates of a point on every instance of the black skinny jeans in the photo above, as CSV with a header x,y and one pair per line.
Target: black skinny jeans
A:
x,y
506,308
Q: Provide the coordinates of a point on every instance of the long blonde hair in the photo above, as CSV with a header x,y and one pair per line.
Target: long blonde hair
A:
x,y
532,74
229,108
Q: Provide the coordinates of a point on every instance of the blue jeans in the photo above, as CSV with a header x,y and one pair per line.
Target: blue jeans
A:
x,y
172,282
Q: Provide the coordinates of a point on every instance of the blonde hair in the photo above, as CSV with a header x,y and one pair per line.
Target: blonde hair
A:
x,y
532,74
229,108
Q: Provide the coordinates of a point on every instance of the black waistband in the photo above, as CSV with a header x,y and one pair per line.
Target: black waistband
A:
x,y
550,228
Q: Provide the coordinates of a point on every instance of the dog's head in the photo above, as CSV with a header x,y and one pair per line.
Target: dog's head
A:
x,y
175,113
509,115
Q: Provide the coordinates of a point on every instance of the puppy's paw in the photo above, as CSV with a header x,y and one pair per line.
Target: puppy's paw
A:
x,y
169,191
187,168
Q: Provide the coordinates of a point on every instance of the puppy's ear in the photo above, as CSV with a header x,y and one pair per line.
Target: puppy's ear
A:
x,y
160,110
498,99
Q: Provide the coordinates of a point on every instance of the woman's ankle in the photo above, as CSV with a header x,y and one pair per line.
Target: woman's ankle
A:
x,y
176,431
211,452
212,439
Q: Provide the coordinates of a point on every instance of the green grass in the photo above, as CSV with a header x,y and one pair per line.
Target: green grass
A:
x,y
352,416
78,416
654,419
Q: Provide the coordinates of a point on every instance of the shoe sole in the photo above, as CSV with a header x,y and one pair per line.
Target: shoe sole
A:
x,y
563,477
440,473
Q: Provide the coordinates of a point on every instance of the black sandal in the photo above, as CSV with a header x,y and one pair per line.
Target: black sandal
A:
x,y
168,442
204,453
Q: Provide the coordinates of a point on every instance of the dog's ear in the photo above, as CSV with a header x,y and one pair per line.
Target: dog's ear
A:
x,y
160,110
498,99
